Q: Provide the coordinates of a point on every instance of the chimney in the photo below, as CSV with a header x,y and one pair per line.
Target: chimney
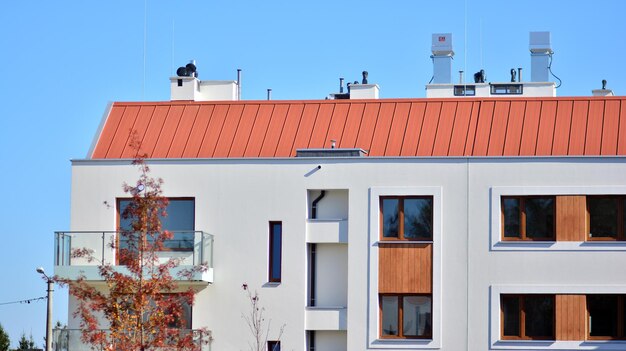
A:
x,y
442,58
540,52
187,87
602,92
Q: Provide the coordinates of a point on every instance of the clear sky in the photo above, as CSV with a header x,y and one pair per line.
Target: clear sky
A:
x,y
61,62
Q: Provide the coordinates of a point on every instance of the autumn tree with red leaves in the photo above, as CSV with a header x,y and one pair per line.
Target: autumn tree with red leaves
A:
x,y
143,304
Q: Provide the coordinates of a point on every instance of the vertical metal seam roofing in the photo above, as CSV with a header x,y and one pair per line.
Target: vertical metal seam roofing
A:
x,y
549,126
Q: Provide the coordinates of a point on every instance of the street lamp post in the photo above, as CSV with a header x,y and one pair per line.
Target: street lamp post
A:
x,y
49,314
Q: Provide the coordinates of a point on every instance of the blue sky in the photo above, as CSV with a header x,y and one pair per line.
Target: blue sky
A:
x,y
63,61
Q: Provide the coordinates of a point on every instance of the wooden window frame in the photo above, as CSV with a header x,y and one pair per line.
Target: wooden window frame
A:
x,y
522,218
401,199
401,317
620,235
621,319
522,318
271,275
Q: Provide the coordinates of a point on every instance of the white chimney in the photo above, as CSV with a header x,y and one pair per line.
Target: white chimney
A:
x,y
364,91
602,92
193,89
540,52
442,58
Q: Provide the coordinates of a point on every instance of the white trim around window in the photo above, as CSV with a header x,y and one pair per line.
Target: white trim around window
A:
x,y
495,323
374,341
497,244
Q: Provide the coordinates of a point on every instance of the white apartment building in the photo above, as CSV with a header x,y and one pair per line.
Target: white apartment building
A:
x,y
462,223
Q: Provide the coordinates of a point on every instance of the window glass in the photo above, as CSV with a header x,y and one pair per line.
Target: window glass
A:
x,y
511,315
602,315
418,218
276,229
602,217
390,218
539,312
539,217
179,220
273,346
390,315
511,209
416,313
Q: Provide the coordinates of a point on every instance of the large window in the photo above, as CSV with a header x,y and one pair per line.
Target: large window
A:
x,y
406,316
606,218
606,314
276,239
527,317
179,221
406,218
528,217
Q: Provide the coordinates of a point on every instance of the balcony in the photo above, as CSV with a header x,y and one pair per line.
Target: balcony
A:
x,y
327,231
70,340
191,248
326,318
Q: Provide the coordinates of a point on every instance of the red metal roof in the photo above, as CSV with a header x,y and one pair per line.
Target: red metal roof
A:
x,y
387,127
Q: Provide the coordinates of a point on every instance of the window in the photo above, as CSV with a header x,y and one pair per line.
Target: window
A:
x,y
273,345
464,90
606,314
527,317
528,217
179,220
276,233
406,316
507,89
406,218
606,218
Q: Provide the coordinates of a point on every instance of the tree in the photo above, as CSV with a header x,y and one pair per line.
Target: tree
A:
x,y
256,323
143,305
5,341
26,344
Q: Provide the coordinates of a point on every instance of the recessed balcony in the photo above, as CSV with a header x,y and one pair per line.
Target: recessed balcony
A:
x,y
192,248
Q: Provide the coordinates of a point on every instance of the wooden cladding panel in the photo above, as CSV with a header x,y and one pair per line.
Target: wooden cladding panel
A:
x,y
405,268
570,317
571,215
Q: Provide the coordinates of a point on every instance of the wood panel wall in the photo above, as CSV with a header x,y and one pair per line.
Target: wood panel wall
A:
x,y
405,268
571,317
571,218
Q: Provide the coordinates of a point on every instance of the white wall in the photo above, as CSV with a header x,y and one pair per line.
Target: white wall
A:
x,y
235,200
330,340
331,275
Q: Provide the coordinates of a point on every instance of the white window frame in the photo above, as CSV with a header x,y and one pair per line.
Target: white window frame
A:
x,y
374,339
497,244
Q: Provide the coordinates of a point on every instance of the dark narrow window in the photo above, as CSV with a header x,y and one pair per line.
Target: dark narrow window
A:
x,y
311,340
273,345
276,233
527,316
528,217
606,217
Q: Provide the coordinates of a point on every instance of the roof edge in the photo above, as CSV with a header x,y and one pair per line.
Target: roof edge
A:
x,y
96,138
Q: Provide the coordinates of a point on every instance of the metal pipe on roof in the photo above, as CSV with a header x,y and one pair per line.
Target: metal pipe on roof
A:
x,y
238,83
519,74
269,94
341,85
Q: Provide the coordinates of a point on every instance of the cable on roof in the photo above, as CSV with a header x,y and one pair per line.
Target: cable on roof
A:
x,y
554,75
35,299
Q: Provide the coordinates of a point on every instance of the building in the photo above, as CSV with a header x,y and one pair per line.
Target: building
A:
x,y
457,223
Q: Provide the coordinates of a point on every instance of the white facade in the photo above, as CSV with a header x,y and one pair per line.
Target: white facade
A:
x,y
235,199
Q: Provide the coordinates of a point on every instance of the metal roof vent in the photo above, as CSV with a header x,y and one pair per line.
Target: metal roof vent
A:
x,y
330,152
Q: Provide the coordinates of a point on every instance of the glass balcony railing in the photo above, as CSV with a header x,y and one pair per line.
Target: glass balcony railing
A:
x,y
70,340
190,248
